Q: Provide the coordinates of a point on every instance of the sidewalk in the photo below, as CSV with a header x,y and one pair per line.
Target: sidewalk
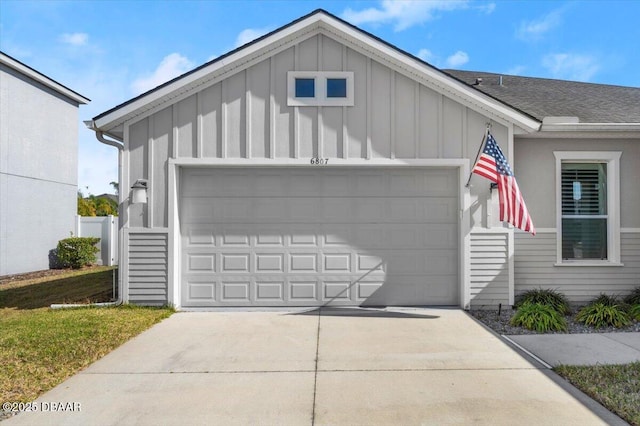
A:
x,y
581,349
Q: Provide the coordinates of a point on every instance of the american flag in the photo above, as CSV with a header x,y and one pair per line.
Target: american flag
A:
x,y
493,165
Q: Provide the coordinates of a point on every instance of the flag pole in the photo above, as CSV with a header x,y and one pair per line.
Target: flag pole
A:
x,y
484,138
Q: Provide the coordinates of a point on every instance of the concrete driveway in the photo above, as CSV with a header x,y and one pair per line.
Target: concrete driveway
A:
x,y
329,366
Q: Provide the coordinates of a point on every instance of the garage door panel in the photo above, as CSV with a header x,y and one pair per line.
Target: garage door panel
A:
x,y
336,262
235,262
302,290
200,236
234,238
336,290
270,262
336,235
270,291
303,263
338,210
235,290
200,291
360,236
201,262
301,237
270,238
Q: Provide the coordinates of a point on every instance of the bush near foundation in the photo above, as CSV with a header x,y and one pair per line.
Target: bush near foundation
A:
x,y
634,312
634,297
539,317
605,311
548,297
76,252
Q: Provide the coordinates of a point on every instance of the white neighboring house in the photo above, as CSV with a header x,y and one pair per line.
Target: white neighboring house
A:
x,y
319,165
38,165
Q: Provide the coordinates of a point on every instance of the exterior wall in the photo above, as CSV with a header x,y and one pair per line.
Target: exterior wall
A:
x,y
535,257
534,268
38,171
245,116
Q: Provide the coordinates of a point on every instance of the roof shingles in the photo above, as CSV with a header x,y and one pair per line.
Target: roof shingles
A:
x,y
541,97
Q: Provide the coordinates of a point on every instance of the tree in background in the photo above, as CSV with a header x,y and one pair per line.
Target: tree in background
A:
x,y
96,206
85,206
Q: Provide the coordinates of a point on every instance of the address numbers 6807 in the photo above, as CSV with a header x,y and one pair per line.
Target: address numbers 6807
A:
x,y
317,161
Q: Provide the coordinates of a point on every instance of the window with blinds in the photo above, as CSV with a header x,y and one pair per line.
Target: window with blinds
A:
x,y
584,210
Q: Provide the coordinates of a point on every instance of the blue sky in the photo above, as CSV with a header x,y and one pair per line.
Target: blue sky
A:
x,y
111,51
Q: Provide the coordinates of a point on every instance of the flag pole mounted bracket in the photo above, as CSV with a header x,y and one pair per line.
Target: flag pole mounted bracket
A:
x,y
492,186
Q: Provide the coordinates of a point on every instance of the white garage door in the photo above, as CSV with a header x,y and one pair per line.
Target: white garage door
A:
x,y
319,236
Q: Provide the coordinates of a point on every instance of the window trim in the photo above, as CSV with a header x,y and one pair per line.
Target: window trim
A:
x,y
612,159
321,98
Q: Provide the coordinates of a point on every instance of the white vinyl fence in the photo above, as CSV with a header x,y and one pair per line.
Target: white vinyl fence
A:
x,y
105,228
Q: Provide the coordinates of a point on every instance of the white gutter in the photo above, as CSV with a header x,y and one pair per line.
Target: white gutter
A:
x,y
590,127
118,144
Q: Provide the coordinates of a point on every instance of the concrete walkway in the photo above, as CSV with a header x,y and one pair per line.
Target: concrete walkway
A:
x,y
329,366
582,349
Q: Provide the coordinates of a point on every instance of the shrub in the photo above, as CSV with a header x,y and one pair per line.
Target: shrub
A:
x,y
634,312
634,297
77,252
605,299
548,297
539,317
601,314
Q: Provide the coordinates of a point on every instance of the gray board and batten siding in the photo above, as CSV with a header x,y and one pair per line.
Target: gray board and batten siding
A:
x,y
244,115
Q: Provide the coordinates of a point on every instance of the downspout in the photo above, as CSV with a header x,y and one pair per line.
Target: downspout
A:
x,y
118,144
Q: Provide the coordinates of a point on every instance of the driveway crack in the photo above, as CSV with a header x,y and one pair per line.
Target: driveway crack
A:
x,y
315,377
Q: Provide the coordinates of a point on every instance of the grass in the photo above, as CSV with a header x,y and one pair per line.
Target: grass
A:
x,y
41,347
617,387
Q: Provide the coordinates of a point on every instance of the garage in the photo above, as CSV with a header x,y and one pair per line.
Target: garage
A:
x,y
319,235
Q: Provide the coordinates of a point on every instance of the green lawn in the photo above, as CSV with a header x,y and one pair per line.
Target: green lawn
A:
x,y
616,387
40,347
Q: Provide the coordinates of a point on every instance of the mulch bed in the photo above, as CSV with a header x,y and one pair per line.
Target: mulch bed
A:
x,y
500,324
6,279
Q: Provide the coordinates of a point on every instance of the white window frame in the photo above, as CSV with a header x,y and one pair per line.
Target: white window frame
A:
x,y
320,98
612,160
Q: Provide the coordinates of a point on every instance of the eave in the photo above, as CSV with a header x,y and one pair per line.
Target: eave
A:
x,y
42,79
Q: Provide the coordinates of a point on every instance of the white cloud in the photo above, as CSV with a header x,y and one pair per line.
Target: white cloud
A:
x,y
402,13
534,30
425,55
516,70
171,66
487,8
75,39
457,59
571,66
250,34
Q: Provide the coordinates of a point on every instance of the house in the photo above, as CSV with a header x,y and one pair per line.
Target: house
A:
x,y
38,165
321,165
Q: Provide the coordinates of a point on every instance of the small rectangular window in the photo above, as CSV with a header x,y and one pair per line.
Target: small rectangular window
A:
x,y
336,87
320,88
305,88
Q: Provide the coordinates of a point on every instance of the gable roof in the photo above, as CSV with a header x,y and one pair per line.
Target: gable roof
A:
x,y
42,79
317,22
542,97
